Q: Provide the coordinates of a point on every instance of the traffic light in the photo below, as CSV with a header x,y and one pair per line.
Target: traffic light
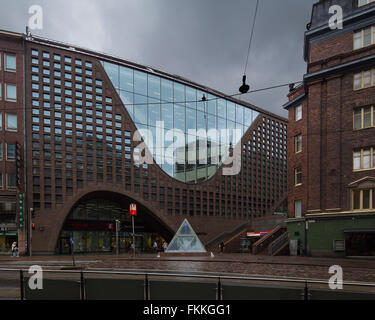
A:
x,y
21,209
32,213
33,226
18,165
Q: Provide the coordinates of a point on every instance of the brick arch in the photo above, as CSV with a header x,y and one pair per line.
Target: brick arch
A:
x,y
52,227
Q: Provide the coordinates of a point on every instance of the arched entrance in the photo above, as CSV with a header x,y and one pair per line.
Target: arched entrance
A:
x,y
91,223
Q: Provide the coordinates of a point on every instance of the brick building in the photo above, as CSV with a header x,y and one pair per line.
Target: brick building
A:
x,y
331,135
74,112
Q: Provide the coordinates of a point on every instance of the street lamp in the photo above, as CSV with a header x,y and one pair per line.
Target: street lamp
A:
x,y
117,240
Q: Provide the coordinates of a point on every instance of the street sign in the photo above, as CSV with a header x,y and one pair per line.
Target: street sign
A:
x,y
133,209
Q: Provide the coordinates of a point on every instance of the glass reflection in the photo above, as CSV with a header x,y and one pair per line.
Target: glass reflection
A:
x,y
149,98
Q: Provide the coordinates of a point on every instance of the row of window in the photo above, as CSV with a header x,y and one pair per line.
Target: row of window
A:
x,y
57,57
10,92
9,62
363,199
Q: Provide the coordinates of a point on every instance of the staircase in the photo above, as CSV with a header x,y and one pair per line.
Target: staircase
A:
x,y
280,246
261,246
231,239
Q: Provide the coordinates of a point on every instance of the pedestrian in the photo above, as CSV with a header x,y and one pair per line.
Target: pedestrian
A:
x,y
165,246
132,249
14,249
222,245
155,246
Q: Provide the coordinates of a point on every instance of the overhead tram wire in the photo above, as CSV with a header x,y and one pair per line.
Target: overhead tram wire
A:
x,y
245,87
166,102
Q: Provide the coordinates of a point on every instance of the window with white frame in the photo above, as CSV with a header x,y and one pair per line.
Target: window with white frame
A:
x,y
298,113
10,62
298,208
11,122
10,92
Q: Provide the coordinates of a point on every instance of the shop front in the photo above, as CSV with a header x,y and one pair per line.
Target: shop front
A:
x,y
360,242
7,237
91,228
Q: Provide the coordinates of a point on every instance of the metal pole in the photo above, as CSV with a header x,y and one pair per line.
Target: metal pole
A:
x,y
219,290
133,237
82,284
21,285
306,229
30,232
146,294
117,244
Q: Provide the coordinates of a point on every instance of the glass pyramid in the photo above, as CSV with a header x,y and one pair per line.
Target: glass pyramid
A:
x,y
185,240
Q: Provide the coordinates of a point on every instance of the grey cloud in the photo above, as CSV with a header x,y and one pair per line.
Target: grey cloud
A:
x,y
203,40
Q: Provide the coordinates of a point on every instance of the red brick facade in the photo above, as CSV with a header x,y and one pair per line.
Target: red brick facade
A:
x,y
327,122
63,168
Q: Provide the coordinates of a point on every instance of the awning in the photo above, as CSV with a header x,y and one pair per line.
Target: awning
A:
x,y
360,230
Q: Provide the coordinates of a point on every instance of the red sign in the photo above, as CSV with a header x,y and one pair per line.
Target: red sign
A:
x,y
133,209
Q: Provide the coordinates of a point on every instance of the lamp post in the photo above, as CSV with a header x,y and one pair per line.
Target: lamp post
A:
x,y
133,212
31,216
117,239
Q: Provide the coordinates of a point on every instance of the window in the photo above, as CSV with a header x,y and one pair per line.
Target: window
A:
x,y
11,151
363,118
11,122
298,114
11,181
298,208
363,79
10,62
363,199
364,159
298,143
297,176
10,92
364,2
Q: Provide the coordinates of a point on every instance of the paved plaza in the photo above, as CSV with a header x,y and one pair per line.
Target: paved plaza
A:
x,y
354,269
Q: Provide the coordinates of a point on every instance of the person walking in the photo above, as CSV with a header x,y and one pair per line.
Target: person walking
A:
x,y
221,245
14,249
165,246
155,246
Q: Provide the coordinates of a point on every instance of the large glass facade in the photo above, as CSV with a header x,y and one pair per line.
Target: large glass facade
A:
x,y
160,105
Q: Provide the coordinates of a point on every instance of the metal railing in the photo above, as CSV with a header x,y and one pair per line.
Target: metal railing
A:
x,y
275,245
157,285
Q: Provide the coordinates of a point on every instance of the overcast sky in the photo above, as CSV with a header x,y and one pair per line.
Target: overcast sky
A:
x,y
205,41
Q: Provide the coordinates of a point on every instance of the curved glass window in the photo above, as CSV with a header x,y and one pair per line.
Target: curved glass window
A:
x,y
200,133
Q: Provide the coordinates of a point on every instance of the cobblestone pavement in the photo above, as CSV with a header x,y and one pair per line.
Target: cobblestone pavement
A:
x,y
296,267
